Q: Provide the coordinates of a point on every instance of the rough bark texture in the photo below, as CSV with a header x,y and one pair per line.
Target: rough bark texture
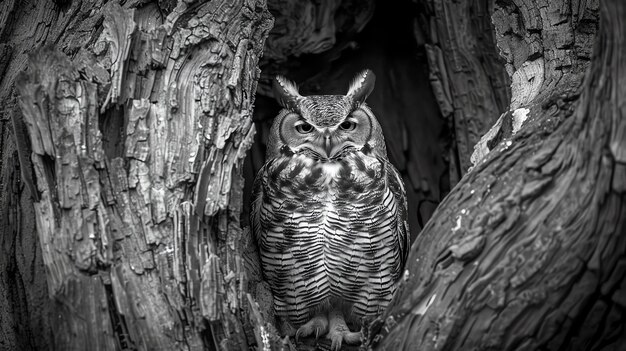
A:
x,y
130,143
466,73
528,251
138,131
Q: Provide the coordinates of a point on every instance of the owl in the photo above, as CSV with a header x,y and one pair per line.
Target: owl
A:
x,y
329,213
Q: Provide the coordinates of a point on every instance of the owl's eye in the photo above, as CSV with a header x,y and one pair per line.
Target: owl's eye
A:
x,y
304,128
347,125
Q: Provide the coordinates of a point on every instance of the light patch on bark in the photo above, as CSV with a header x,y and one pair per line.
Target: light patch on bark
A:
x,y
423,307
526,83
481,149
458,224
519,116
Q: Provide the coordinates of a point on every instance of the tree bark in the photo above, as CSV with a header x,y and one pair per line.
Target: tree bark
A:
x,y
130,145
528,251
466,73
138,132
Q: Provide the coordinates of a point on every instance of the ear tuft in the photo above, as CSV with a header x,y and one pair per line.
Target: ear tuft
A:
x,y
286,93
362,86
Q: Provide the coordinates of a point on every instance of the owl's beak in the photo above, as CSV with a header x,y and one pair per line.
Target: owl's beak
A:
x,y
328,144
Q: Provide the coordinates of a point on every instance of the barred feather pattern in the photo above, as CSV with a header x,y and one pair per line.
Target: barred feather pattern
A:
x,y
330,231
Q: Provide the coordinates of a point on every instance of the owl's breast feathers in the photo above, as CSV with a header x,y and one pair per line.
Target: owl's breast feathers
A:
x,y
330,230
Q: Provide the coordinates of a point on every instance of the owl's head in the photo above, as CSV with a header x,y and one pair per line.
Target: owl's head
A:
x,y
325,127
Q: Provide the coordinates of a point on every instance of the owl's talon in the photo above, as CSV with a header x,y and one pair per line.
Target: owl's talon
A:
x,y
339,337
339,332
335,342
297,337
317,325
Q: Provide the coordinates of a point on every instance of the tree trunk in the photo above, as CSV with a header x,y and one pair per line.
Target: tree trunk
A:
x,y
138,131
123,230
466,73
528,251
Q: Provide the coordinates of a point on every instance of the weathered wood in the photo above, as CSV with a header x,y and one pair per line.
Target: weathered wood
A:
x,y
25,322
545,58
467,77
160,97
527,251
137,146
27,318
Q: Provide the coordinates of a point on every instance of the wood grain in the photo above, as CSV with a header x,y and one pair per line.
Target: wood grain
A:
x,y
137,255
525,252
466,74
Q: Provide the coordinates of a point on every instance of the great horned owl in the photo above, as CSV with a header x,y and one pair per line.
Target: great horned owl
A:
x,y
329,213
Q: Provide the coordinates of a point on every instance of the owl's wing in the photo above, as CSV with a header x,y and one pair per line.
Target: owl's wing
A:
x,y
291,257
396,185
257,202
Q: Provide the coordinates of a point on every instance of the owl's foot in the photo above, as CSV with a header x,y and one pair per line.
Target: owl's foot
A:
x,y
339,332
317,326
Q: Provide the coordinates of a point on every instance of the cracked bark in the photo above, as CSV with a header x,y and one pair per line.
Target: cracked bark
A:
x,y
466,72
528,251
133,125
130,143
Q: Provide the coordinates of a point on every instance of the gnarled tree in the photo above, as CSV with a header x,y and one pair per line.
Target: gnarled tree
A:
x,y
128,145
528,251
136,119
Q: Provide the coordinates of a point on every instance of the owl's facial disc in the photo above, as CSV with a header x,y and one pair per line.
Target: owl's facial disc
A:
x,y
326,143
329,143
318,142
314,137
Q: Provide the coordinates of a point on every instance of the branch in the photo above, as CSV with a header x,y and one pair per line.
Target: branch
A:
x,y
527,251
